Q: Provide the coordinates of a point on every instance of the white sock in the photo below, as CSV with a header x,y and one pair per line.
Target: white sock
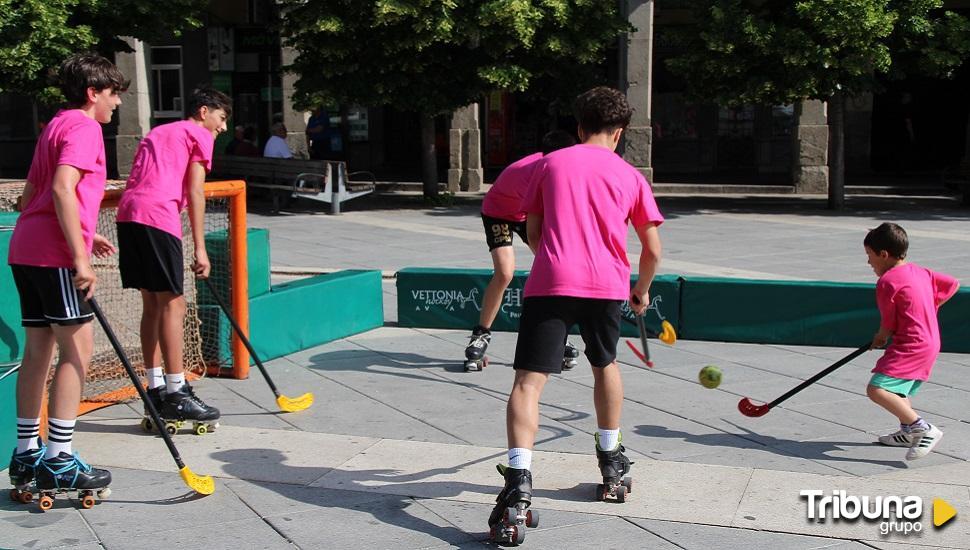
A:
x,y
156,377
608,439
520,459
28,434
174,382
60,433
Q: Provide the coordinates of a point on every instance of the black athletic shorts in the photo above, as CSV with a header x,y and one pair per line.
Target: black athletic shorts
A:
x,y
498,232
149,258
48,296
544,325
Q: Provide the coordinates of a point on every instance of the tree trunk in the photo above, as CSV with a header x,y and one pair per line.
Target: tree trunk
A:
x,y
429,157
837,151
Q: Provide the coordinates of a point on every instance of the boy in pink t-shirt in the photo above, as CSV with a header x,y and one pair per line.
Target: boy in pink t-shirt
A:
x,y
167,175
908,297
49,255
578,208
502,215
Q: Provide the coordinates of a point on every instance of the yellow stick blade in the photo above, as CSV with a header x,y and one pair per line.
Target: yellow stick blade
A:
x,y
293,404
204,485
669,335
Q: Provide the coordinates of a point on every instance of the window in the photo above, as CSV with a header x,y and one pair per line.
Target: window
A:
x,y
167,82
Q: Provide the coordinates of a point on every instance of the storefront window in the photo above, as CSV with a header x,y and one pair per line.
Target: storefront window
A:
x,y
167,99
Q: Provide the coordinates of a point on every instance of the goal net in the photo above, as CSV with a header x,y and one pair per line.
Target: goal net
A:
x,y
209,345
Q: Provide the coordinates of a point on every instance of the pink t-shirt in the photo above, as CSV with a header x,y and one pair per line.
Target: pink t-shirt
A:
x,y
157,189
908,297
504,199
586,195
71,138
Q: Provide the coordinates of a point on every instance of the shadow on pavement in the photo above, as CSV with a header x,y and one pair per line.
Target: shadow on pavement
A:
x,y
809,450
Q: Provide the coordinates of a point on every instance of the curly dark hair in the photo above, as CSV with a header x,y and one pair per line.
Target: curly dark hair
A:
x,y
81,71
204,96
889,237
602,109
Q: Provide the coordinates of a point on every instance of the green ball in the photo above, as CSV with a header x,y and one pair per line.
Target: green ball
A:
x,y
710,377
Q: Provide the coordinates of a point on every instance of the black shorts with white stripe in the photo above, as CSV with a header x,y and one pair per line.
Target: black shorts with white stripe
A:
x,y
48,296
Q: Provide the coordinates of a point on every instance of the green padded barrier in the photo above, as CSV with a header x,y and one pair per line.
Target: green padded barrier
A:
x,y
307,312
8,414
11,333
257,250
452,298
813,313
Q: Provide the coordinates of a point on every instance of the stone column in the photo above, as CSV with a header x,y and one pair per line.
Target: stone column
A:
x,y
810,166
135,114
465,171
636,65
294,120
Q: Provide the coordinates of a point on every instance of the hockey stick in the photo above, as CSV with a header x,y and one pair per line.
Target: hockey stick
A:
x,y
204,485
748,408
286,404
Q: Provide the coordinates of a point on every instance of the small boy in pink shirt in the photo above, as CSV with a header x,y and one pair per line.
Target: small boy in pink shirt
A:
x,y
502,215
578,208
908,297
50,256
167,175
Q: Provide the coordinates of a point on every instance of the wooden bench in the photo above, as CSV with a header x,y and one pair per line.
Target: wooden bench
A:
x,y
321,180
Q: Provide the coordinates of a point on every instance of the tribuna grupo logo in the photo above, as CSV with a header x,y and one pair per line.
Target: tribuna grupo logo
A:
x,y
895,514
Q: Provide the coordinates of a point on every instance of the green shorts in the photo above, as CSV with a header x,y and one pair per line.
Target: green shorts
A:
x,y
902,388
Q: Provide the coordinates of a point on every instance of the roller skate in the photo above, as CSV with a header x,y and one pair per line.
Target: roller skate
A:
x,y
475,352
511,514
157,397
613,465
69,474
570,358
23,468
183,406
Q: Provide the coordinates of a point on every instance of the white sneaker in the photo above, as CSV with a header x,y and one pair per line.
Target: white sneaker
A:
x,y
925,441
898,438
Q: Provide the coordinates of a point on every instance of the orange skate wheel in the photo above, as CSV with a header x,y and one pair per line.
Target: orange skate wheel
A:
x,y
45,503
25,497
88,502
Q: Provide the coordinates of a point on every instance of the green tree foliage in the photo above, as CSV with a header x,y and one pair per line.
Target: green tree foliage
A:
x,y
781,51
36,35
432,56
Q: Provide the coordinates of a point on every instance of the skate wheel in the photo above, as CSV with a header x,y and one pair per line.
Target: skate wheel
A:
x,y
621,494
532,518
146,424
484,363
45,503
518,536
511,516
88,502
201,429
213,426
25,497
171,428
628,483
601,492
104,493
495,532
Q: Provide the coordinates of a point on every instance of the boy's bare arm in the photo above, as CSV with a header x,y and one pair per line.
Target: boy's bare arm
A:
x,y
64,191
25,197
650,252
881,338
533,230
196,174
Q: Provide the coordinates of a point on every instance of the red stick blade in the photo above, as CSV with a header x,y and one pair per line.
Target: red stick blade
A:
x,y
639,354
748,408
